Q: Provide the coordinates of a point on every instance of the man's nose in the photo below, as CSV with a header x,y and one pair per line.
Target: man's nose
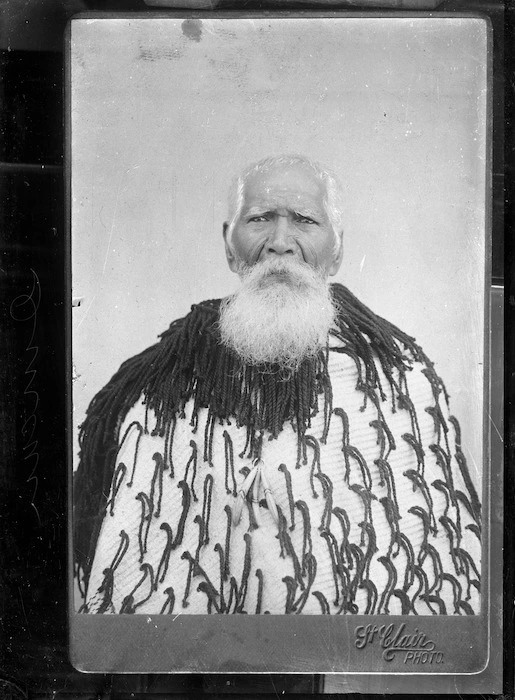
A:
x,y
281,241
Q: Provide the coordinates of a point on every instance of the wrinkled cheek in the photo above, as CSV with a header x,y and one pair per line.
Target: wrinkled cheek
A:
x,y
308,254
250,254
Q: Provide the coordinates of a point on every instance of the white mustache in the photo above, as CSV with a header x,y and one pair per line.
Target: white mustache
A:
x,y
292,268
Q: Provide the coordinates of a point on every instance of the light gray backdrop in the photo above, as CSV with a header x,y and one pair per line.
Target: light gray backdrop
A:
x,y
164,112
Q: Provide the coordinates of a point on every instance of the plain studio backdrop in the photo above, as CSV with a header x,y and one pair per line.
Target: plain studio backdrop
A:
x,y
165,111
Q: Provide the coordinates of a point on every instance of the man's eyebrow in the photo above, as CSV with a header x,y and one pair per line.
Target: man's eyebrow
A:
x,y
256,210
308,212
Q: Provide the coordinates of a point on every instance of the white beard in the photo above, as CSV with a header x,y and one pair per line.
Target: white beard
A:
x,y
281,314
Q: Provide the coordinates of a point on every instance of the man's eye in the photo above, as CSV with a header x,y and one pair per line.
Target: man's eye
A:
x,y
261,217
305,219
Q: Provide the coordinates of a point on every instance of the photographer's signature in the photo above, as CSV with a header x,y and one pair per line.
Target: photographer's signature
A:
x,y
413,647
24,309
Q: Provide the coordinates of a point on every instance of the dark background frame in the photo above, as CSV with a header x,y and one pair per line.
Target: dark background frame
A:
x,y
33,545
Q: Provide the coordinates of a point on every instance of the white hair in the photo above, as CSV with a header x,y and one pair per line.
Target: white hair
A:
x,y
333,199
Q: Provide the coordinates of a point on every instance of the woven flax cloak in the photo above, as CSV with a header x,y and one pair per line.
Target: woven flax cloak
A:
x,y
357,493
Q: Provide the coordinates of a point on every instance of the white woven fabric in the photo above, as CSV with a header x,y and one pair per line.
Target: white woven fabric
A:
x,y
307,563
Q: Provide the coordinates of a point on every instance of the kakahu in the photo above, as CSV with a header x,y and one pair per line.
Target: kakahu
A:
x,y
206,486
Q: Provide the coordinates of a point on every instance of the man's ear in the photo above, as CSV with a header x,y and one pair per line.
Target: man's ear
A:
x,y
338,256
229,253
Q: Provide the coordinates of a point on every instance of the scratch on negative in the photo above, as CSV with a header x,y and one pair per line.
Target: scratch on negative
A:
x,y
86,312
496,428
113,219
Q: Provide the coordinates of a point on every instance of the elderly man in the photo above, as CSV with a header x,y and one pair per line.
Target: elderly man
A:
x,y
283,450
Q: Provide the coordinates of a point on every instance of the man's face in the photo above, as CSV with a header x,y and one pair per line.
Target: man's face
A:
x,y
284,217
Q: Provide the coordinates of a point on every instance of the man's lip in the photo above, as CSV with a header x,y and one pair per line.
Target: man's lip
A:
x,y
282,275
276,277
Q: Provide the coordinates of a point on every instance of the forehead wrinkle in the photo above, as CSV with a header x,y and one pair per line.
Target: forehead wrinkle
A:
x,y
298,206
